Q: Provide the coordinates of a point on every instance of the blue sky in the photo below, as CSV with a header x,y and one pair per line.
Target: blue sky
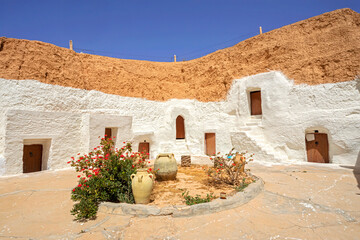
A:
x,y
153,30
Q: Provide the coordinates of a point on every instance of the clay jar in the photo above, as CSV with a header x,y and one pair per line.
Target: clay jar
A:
x,y
167,166
142,185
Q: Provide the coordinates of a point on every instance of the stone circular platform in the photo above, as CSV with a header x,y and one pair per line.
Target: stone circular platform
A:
x,y
216,205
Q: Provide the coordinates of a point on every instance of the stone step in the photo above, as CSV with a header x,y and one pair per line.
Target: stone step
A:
x,y
252,123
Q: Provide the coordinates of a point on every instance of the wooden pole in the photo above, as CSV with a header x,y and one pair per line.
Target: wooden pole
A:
x,y
174,58
260,30
71,45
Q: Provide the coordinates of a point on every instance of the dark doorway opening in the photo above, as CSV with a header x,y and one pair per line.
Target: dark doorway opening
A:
x,y
210,144
317,147
255,102
180,128
32,158
108,133
145,148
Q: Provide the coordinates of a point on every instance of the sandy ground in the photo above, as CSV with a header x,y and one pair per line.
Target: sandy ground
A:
x,y
192,179
322,49
299,202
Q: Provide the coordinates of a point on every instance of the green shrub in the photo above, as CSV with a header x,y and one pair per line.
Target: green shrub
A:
x,y
242,186
190,200
104,175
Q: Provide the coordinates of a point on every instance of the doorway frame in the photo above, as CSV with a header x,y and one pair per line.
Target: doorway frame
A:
x,y
46,143
323,130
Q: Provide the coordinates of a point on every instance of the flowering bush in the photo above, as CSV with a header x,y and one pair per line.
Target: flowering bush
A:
x,y
229,169
104,175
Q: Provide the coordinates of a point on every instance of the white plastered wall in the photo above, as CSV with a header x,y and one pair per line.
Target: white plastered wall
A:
x,y
289,110
57,131
74,118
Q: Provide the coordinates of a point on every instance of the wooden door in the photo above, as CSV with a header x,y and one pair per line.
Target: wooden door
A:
x,y
318,149
108,133
180,128
255,101
32,158
144,147
210,144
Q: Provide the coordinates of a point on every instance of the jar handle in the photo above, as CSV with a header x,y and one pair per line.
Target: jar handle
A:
x,y
132,176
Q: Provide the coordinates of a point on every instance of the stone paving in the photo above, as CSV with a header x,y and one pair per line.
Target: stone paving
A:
x,y
311,201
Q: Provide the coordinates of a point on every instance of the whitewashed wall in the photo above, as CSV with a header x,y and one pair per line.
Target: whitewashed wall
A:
x,y
77,117
290,110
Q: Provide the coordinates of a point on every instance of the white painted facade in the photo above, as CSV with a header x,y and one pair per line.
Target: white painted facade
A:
x,y
67,121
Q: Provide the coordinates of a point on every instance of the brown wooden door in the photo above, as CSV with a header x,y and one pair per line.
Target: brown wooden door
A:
x,y
32,158
180,128
210,144
318,149
255,99
144,147
108,133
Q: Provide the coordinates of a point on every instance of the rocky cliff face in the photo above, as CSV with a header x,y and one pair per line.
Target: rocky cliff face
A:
x,y
322,49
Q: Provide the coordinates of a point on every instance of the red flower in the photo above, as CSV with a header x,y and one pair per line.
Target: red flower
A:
x,y
122,156
147,153
79,176
150,169
74,190
72,158
113,137
68,162
105,135
89,175
132,166
79,185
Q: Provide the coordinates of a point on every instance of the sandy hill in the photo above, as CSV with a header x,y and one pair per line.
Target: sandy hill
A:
x,y
321,49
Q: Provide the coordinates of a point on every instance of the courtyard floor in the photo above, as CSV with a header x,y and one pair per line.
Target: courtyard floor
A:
x,y
298,202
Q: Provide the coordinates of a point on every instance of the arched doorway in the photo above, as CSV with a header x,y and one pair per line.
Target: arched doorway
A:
x,y
180,127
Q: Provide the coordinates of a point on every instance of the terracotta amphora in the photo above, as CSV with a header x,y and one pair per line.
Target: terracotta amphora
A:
x,y
167,166
142,185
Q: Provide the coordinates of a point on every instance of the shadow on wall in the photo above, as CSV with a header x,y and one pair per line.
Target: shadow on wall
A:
x,y
357,170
